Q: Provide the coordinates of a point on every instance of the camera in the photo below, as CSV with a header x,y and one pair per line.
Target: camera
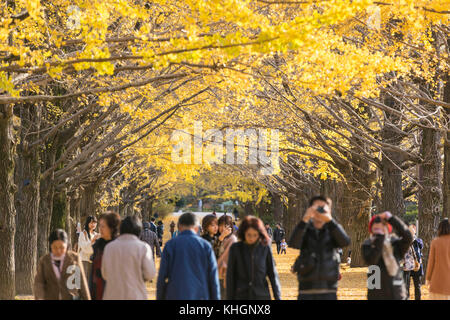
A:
x,y
320,210
378,220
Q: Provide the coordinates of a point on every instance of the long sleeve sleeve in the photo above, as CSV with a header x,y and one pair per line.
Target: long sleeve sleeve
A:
x,y
273,276
338,234
230,278
405,235
222,262
372,250
39,281
85,245
297,236
431,262
213,276
163,274
148,265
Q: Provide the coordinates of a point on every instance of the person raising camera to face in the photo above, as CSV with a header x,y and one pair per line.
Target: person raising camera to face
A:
x,y
385,251
318,236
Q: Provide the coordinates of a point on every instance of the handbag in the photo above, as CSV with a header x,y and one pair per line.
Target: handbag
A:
x,y
416,261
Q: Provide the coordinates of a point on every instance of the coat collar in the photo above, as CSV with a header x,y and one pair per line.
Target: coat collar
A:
x,y
187,233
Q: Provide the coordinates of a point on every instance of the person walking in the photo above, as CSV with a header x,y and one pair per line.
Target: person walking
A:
x,y
85,241
438,275
250,263
210,229
318,236
109,230
269,231
188,269
172,228
385,251
278,235
417,273
153,226
226,239
54,270
160,232
127,264
151,239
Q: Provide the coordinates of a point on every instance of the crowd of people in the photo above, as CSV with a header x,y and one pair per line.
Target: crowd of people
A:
x,y
219,260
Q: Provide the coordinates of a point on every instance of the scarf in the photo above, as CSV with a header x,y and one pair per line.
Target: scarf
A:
x,y
388,256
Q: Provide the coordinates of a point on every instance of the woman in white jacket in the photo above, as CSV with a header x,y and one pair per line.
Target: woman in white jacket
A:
x,y
85,241
127,263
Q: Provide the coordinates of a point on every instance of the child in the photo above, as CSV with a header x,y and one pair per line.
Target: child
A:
x,y
283,246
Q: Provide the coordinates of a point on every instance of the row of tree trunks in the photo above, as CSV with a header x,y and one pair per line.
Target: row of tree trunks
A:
x,y
8,211
27,199
430,193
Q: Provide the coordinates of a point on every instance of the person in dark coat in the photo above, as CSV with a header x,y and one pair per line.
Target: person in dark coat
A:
x,y
318,236
250,263
109,230
188,269
384,251
160,232
151,238
416,275
153,226
278,235
269,231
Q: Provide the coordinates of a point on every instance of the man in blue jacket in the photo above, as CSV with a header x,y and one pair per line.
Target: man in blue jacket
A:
x,y
188,269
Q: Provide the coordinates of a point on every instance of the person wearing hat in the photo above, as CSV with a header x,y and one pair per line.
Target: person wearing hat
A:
x,y
385,251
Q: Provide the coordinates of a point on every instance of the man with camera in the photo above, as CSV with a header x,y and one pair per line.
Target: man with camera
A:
x,y
318,236
384,251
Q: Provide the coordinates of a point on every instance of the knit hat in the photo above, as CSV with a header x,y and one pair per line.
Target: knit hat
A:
x,y
372,221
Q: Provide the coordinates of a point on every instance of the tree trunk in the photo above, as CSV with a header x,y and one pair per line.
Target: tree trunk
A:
x,y
7,212
27,200
355,216
88,204
45,215
391,172
334,190
75,214
446,175
278,208
68,220
430,196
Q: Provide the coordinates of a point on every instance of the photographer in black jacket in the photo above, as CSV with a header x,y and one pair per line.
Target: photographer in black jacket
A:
x,y
318,236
